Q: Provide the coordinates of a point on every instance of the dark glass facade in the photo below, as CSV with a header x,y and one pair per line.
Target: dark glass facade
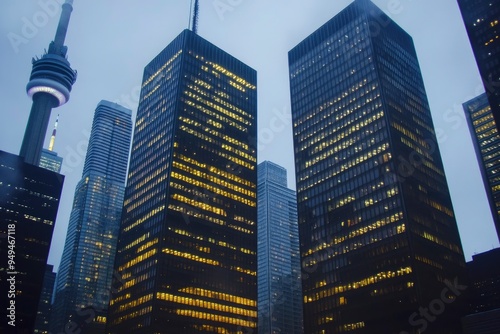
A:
x,y
186,255
482,22
378,236
279,281
85,273
482,323
486,141
484,295
42,323
484,275
29,198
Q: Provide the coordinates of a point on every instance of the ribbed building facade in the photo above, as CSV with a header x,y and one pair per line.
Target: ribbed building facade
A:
x,y
279,274
378,235
486,140
187,252
83,284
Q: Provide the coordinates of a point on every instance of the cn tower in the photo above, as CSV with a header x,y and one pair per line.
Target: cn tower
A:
x,y
50,84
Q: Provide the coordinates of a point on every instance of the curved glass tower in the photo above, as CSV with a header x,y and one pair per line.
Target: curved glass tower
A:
x,y
84,276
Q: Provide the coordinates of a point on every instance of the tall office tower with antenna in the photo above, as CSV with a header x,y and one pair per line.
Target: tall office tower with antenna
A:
x,y
379,241
50,84
187,251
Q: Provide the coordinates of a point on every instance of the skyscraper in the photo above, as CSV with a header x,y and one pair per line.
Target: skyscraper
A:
x,y
50,83
484,275
379,241
484,293
482,22
29,198
187,249
279,282
486,141
50,160
84,277
42,323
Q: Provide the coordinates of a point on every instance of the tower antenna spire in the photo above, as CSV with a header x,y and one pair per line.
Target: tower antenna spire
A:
x,y
194,27
62,28
53,137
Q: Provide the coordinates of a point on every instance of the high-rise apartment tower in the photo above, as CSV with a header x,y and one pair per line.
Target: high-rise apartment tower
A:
x,y
83,284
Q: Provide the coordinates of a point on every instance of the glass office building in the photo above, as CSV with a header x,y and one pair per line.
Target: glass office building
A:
x,y
85,273
482,22
279,280
50,160
29,198
42,323
378,234
486,141
187,252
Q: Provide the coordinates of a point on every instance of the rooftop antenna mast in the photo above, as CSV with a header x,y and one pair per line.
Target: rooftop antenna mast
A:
x,y
194,27
53,137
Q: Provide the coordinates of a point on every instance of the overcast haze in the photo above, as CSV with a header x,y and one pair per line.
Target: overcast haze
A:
x,y
111,41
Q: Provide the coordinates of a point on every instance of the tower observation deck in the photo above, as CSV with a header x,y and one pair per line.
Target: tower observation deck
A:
x,y
50,85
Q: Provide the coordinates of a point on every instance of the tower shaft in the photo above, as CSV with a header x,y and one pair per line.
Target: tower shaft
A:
x,y
38,121
62,27
50,84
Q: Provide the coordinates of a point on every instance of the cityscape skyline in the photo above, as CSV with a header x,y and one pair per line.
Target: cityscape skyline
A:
x,y
275,125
